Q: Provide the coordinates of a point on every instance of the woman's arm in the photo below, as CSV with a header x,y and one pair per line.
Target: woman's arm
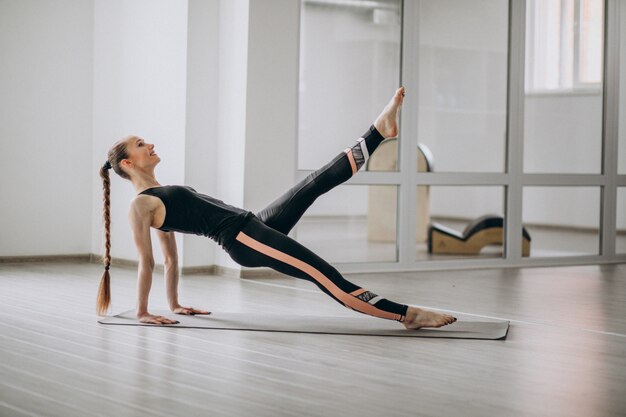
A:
x,y
170,263
140,218
170,256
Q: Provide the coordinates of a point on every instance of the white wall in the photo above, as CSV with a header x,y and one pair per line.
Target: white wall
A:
x,y
563,133
272,101
139,89
463,84
231,115
45,128
569,206
202,107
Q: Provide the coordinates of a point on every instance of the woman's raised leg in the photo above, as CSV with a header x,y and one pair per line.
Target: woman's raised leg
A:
x,y
283,213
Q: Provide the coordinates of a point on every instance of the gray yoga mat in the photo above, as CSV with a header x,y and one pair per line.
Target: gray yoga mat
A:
x,y
364,326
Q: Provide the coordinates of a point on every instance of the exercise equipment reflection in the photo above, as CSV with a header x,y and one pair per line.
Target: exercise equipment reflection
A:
x,y
485,230
381,219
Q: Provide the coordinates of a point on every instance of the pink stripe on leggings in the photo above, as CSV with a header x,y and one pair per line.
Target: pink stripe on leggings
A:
x,y
347,299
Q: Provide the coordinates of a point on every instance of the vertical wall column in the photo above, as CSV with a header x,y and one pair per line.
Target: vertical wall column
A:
x,y
258,98
201,124
272,101
231,113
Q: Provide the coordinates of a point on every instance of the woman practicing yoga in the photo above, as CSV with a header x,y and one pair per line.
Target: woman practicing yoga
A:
x,y
252,240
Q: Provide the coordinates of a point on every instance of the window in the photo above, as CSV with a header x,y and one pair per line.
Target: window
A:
x,y
564,45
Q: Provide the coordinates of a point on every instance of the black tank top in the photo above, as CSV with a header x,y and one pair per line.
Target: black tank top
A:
x,y
188,211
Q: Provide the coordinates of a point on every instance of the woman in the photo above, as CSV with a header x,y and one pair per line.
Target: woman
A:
x,y
252,240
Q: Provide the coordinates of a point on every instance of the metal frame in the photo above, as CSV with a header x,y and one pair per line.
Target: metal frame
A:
x,y
610,131
514,179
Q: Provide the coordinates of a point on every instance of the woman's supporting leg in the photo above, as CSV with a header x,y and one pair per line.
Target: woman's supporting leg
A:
x,y
259,245
284,212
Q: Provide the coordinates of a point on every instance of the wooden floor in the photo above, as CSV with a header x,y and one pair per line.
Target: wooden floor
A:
x,y
565,354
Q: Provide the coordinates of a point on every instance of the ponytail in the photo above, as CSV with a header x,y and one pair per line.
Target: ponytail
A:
x,y
114,156
104,292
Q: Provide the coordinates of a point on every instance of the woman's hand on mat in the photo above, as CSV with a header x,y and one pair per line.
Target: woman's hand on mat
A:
x,y
189,311
151,318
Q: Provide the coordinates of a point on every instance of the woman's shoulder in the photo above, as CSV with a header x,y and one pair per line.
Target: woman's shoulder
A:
x,y
143,203
153,197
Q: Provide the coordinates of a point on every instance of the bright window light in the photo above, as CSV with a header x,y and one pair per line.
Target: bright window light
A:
x,y
564,44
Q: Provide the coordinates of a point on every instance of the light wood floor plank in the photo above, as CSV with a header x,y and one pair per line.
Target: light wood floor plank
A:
x,y
7,409
144,371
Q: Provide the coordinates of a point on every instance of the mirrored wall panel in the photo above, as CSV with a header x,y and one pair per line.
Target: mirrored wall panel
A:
x,y
563,78
460,222
562,221
463,83
352,223
349,68
620,243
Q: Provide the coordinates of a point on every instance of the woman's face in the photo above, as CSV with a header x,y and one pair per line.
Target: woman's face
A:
x,y
141,153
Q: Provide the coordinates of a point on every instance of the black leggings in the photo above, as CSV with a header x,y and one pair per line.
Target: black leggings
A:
x,y
263,241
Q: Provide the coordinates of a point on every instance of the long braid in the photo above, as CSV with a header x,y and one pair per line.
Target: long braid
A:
x,y
104,291
115,155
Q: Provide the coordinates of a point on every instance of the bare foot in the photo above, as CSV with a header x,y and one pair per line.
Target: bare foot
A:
x,y
417,318
387,122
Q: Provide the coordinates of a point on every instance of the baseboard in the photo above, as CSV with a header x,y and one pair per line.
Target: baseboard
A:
x,y
199,270
218,270
224,271
84,258
260,273
122,263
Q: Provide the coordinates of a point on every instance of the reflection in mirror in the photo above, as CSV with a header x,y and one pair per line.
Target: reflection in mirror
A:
x,y
385,159
563,221
460,222
620,243
463,48
563,77
352,223
349,67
